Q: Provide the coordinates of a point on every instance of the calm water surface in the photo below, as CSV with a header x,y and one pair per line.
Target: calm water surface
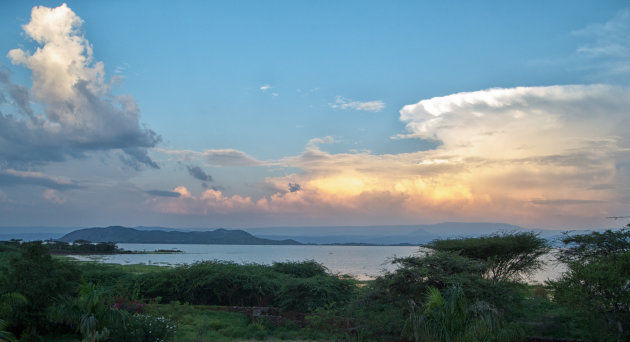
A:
x,y
362,262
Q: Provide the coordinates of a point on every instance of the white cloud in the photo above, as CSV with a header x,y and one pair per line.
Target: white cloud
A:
x,y
345,103
265,87
64,59
80,112
523,121
535,156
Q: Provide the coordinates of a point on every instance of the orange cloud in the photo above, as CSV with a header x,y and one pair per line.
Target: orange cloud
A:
x,y
533,156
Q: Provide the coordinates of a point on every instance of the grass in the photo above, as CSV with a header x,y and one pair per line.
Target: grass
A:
x,y
206,323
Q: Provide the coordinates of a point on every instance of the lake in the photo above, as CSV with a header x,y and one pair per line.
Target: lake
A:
x,y
362,262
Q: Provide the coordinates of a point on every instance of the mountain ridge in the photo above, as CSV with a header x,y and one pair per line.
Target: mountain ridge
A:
x,y
119,234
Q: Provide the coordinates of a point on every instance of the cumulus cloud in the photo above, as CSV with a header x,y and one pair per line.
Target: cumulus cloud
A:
x,y
530,155
265,87
523,122
525,155
80,113
198,173
209,202
368,106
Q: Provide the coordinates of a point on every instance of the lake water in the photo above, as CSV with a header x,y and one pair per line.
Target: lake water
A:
x,y
362,262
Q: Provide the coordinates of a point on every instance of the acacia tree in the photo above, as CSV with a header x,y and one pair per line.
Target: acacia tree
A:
x,y
597,282
587,247
507,256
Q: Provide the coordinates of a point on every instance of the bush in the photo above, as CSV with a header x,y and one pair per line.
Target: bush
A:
x,y
145,328
449,317
297,286
305,295
304,269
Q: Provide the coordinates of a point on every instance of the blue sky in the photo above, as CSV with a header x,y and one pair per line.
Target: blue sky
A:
x,y
202,113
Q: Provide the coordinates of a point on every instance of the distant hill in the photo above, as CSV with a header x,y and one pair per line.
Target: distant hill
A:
x,y
386,235
129,235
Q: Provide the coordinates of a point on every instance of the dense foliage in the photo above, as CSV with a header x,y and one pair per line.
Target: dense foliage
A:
x,y
30,282
505,255
449,317
464,289
597,283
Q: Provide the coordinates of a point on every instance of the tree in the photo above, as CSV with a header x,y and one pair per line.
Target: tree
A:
x,y
414,275
39,278
597,281
507,256
587,247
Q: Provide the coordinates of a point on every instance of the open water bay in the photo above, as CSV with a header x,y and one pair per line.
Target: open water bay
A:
x,y
362,262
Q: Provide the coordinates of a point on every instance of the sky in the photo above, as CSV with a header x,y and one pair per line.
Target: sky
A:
x,y
292,113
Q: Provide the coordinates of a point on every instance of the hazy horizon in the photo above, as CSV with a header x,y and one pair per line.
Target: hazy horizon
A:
x,y
286,114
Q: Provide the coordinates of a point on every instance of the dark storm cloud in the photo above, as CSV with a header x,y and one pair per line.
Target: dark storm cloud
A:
x,y
100,124
294,187
163,193
198,173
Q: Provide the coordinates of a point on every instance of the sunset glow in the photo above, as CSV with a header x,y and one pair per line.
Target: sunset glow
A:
x,y
243,120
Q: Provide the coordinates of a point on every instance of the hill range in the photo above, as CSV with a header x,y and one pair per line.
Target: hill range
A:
x,y
120,234
373,235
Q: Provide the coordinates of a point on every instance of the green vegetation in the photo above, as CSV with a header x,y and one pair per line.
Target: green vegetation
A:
x,y
467,289
597,284
83,247
449,318
505,255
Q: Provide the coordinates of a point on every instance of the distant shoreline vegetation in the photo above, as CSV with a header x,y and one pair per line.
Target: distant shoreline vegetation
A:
x,y
84,247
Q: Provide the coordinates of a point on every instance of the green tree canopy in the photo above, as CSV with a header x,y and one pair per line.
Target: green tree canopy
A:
x,y
34,275
597,282
585,247
505,255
